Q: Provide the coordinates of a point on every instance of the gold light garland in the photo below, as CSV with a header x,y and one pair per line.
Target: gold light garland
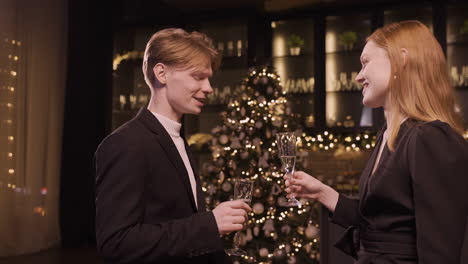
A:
x,y
12,73
133,55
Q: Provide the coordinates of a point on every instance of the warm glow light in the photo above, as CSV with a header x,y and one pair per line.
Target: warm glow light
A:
x,y
11,171
39,210
330,42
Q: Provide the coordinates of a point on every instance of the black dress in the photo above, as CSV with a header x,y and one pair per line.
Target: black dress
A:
x,y
414,208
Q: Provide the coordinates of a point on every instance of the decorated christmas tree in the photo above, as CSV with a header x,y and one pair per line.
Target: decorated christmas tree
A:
x,y
243,146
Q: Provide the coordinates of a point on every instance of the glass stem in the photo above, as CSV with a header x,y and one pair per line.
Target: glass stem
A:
x,y
292,195
237,239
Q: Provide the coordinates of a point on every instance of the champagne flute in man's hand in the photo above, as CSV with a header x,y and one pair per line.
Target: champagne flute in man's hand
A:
x,y
242,191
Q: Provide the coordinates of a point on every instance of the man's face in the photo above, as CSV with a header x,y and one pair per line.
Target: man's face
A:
x,y
187,89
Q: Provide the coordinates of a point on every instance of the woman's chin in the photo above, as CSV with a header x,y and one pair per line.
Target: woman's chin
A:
x,y
369,103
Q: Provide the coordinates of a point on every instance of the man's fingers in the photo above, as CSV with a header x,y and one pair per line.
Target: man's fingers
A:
x,y
236,227
239,204
238,220
238,212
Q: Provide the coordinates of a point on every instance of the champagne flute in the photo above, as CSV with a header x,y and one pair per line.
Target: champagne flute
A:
x,y
242,191
287,152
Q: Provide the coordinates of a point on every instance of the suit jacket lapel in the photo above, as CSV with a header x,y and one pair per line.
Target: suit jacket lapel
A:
x,y
165,140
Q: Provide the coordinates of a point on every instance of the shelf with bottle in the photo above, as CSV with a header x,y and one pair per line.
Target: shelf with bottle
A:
x,y
299,86
302,55
296,73
347,110
457,47
130,102
459,79
232,48
345,84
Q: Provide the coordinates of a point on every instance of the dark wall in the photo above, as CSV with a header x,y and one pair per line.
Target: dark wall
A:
x,y
87,115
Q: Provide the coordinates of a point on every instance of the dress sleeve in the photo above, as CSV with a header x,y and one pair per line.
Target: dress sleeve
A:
x,y
346,212
438,163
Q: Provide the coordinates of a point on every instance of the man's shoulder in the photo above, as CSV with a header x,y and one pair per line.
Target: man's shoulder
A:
x,y
131,134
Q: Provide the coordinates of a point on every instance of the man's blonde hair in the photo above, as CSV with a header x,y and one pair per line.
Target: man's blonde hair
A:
x,y
176,47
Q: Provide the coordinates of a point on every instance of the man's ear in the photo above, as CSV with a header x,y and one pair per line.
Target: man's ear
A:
x,y
404,56
160,72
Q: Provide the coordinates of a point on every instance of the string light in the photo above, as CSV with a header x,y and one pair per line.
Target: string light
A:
x,y
9,84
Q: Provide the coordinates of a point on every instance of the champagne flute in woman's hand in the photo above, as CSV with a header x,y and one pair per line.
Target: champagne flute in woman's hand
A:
x,y
287,152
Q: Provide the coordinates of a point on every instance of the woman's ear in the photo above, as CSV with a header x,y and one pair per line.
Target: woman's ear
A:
x,y
160,72
404,56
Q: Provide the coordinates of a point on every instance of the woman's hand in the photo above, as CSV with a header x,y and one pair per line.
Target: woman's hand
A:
x,y
304,185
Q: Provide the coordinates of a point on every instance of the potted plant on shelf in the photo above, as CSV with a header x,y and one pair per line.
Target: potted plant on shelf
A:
x,y
295,43
348,39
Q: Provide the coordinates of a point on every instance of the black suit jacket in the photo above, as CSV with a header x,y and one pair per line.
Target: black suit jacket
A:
x,y
145,209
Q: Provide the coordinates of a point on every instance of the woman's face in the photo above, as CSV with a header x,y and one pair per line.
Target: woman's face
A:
x,y
374,75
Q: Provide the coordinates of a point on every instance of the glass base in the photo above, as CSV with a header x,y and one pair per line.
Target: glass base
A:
x,y
292,202
235,252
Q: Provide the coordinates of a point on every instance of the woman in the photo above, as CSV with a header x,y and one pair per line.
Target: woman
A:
x,y
412,205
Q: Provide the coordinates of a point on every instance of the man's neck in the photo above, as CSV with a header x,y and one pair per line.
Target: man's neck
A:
x,y
159,104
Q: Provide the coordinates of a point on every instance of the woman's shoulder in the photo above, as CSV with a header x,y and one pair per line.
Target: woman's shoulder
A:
x,y
437,134
434,129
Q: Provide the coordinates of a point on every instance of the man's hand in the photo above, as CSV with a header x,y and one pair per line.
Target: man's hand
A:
x,y
231,216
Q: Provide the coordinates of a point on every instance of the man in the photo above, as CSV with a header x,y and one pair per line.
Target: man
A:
x,y
149,202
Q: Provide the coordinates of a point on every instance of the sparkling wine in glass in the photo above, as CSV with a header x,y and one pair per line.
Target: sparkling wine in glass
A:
x,y
287,152
242,191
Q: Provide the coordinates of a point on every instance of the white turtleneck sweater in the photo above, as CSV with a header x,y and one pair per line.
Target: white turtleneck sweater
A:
x,y
173,129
